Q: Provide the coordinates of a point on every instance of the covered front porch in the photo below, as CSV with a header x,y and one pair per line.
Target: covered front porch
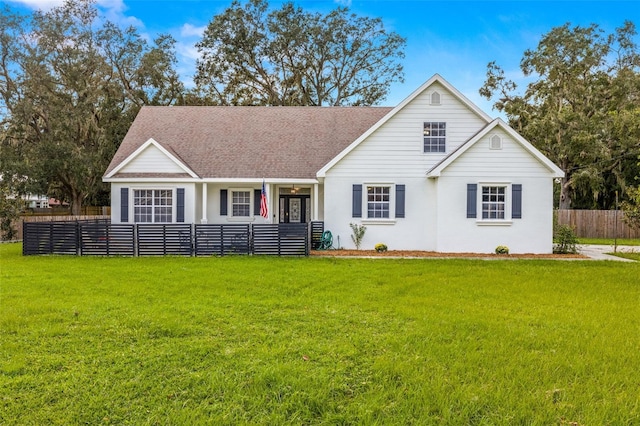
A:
x,y
287,201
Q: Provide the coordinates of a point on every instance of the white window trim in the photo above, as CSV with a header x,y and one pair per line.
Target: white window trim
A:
x,y
132,207
392,204
507,221
230,216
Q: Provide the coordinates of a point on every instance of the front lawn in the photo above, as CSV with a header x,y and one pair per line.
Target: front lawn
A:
x,y
610,241
268,341
633,255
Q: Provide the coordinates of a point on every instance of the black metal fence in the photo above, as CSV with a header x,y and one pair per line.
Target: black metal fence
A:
x,y
317,229
102,238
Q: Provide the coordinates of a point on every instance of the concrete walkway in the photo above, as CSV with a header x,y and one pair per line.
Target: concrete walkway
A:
x,y
599,252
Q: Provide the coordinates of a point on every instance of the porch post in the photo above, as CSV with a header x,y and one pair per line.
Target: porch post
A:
x,y
316,201
204,203
271,201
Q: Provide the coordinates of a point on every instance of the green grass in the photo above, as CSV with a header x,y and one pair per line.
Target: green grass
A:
x,y
628,255
611,241
268,341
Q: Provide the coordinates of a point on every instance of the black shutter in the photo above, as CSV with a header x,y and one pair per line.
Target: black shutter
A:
x,y
357,201
257,195
124,205
180,205
516,204
472,200
223,202
399,200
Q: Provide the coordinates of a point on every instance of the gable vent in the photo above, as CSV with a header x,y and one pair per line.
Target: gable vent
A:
x,y
495,142
435,98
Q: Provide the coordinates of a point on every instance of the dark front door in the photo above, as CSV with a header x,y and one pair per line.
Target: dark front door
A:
x,y
294,208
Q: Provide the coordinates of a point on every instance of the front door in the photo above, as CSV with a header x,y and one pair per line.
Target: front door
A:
x,y
294,208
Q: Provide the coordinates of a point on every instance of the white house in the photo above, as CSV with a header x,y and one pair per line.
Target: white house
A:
x,y
434,173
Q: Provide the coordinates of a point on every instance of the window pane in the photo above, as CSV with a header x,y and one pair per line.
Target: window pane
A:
x,y
142,214
241,203
435,136
493,202
162,205
163,214
152,205
378,202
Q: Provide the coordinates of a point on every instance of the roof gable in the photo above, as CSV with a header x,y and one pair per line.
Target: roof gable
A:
x,y
152,157
448,160
433,80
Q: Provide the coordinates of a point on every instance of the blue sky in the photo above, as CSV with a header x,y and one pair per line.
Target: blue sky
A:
x,y
453,38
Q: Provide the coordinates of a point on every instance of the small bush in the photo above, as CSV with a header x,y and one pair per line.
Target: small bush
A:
x,y
357,234
565,240
502,250
381,247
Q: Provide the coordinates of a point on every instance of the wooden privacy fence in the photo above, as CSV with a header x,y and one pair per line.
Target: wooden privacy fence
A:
x,y
18,224
597,223
101,238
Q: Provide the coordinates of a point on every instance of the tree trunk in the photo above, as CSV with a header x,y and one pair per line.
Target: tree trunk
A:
x,y
565,197
76,203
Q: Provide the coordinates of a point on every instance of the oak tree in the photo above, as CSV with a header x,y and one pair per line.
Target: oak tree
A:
x,y
288,56
581,108
70,86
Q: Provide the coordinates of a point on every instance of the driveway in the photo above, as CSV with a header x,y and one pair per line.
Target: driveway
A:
x,y
599,252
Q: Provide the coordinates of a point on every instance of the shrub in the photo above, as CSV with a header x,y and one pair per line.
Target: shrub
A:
x,y
357,234
631,208
502,250
565,240
381,247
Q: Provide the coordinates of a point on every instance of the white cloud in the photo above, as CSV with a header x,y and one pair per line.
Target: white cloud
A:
x,y
189,30
346,3
39,4
113,10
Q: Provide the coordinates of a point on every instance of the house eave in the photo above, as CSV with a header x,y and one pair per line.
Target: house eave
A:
x,y
276,181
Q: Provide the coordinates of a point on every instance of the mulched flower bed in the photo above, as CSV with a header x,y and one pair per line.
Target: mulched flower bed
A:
x,y
414,253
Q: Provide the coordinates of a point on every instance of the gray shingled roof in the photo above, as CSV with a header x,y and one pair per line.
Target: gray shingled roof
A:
x,y
250,142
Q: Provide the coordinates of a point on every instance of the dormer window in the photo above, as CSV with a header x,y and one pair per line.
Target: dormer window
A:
x,y
495,142
435,137
435,98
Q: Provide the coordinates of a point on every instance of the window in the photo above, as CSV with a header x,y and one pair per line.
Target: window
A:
x,y
153,205
240,203
435,136
493,202
378,202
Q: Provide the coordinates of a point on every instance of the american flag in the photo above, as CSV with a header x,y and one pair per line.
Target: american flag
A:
x,y
264,210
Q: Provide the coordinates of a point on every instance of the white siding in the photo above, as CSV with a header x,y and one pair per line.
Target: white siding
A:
x,y
436,208
512,164
416,231
396,149
189,198
512,161
394,155
151,160
531,234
